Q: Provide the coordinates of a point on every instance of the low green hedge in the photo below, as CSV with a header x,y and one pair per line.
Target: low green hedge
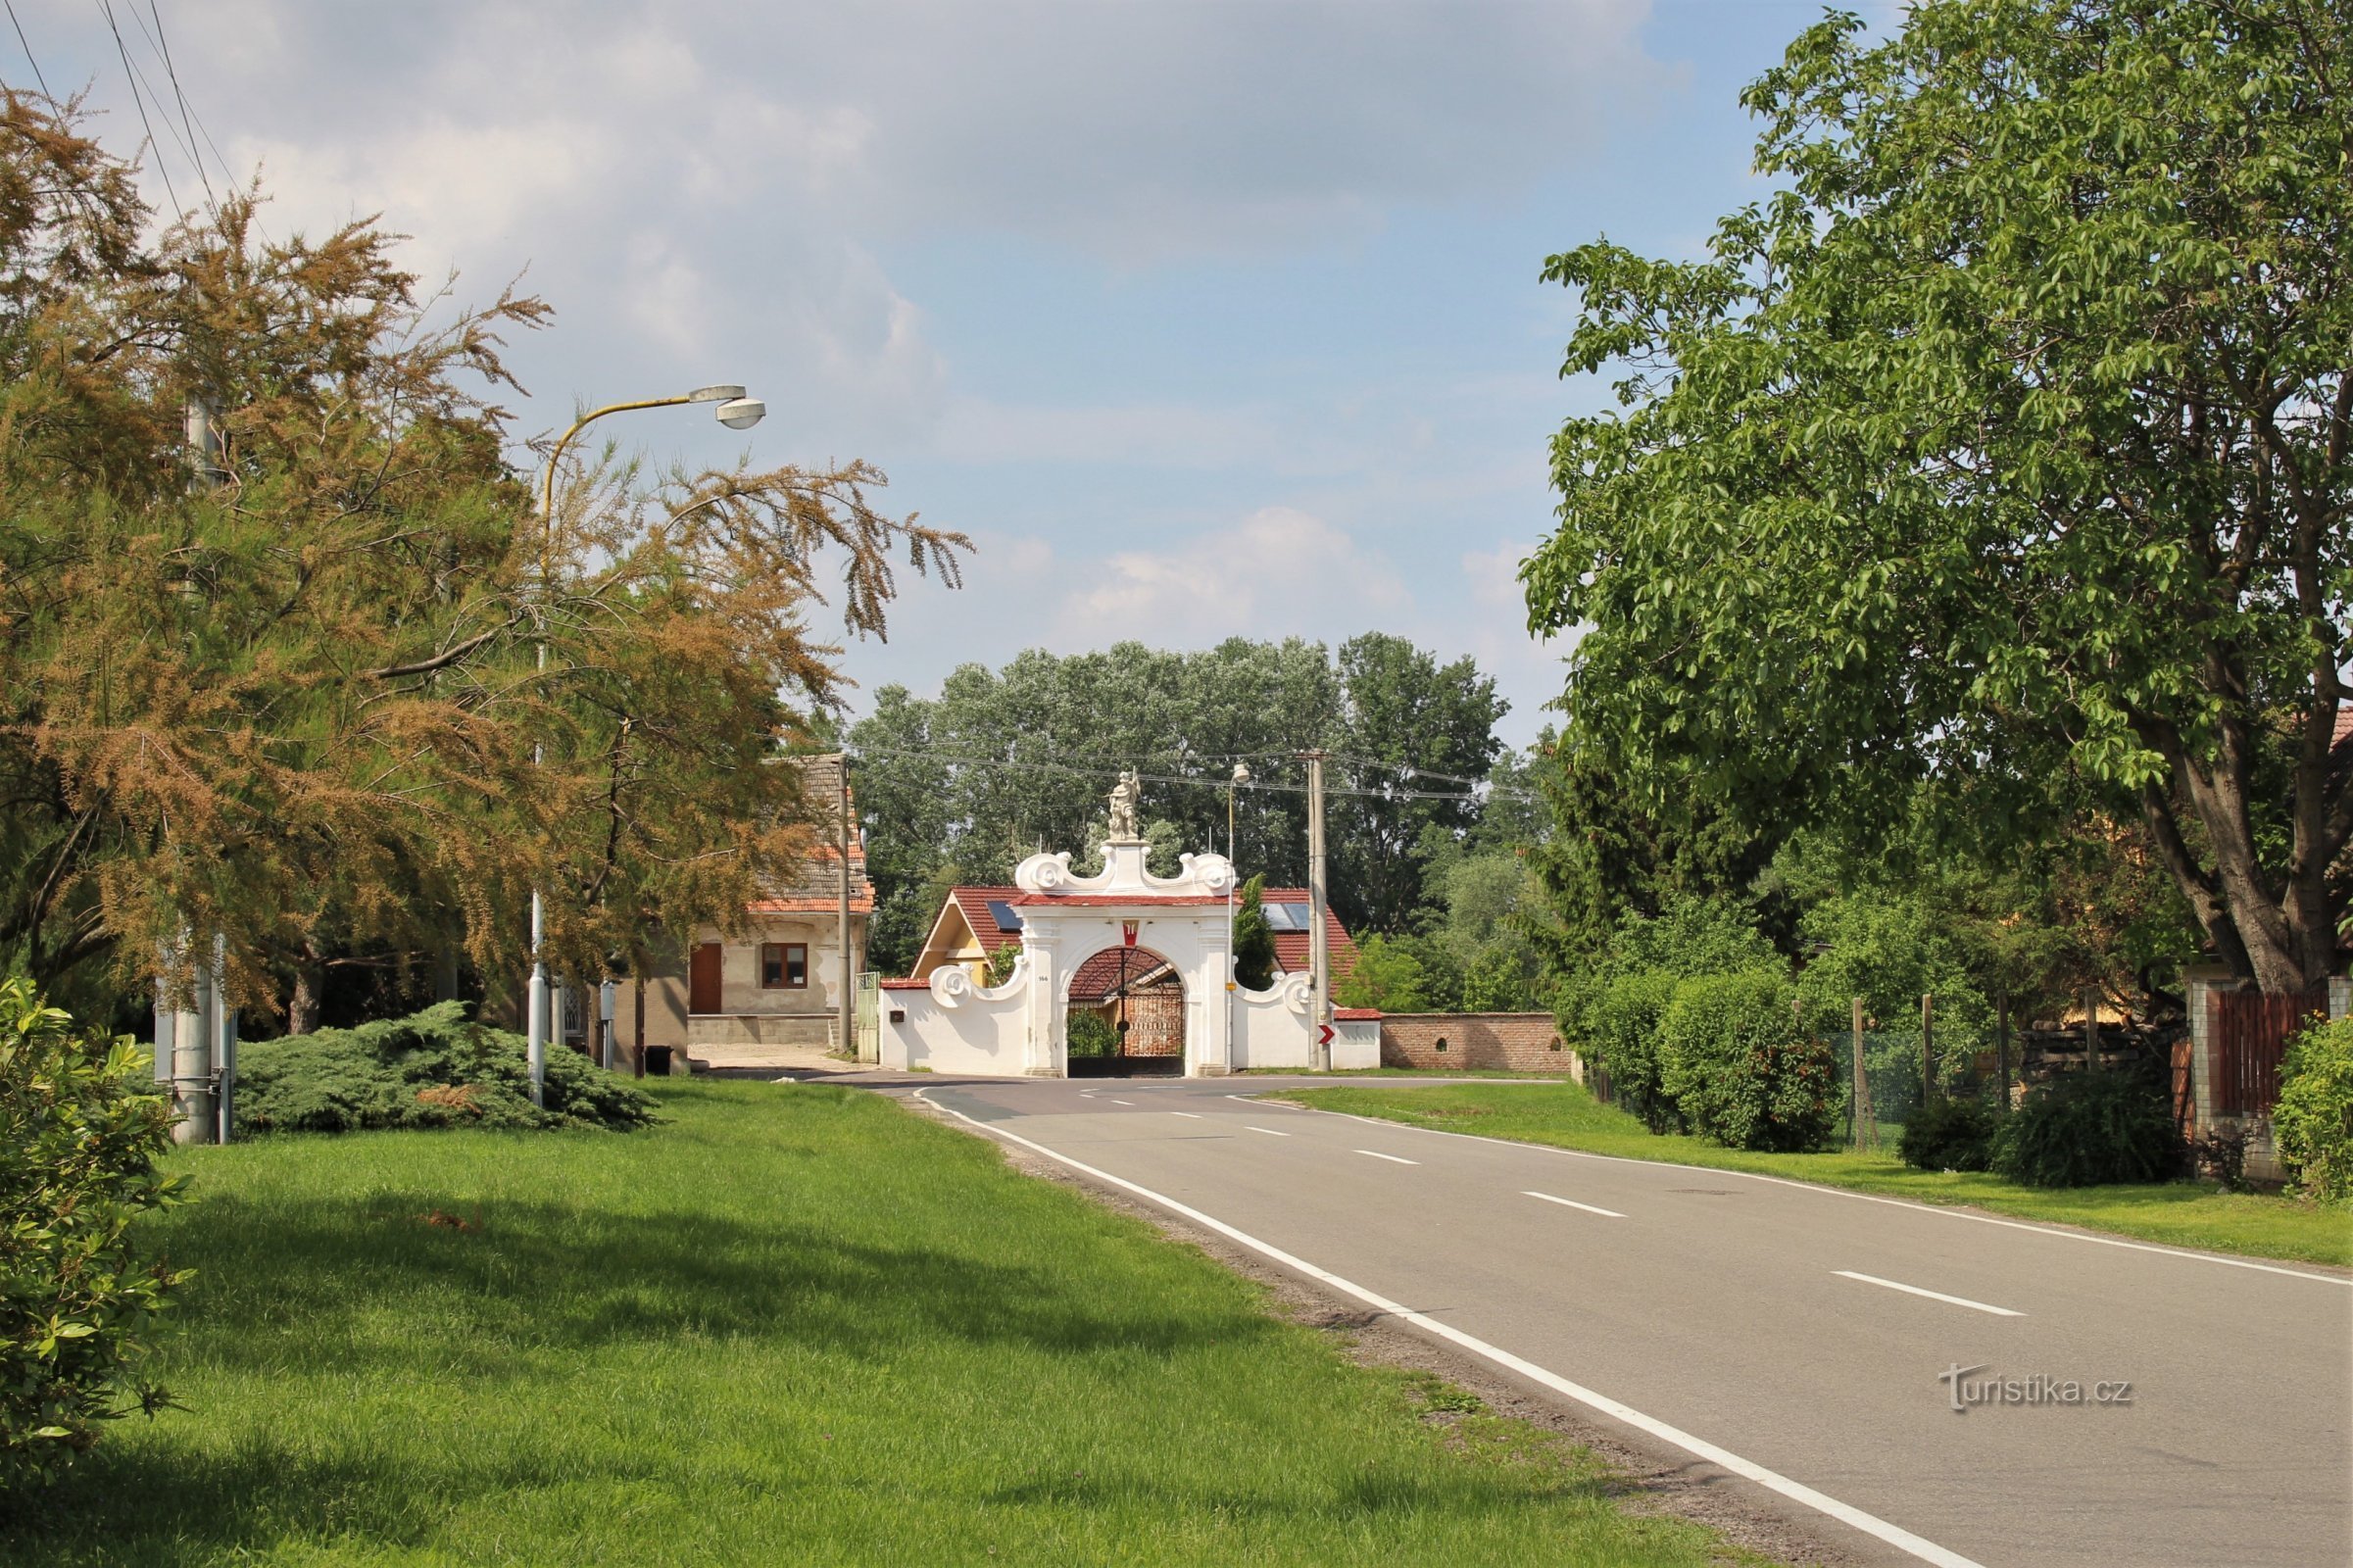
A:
x,y
2313,1122
433,1068
2088,1129
1949,1135
1739,1068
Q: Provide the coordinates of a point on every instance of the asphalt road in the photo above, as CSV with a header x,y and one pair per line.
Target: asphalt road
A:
x,y
1792,1337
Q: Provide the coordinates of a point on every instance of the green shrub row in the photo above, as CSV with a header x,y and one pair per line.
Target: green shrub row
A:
x,y
81,1128
1719,1055
2313,1122
433,1068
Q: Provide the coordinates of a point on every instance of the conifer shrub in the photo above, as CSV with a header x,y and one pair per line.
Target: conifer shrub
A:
x,y
2312,1125
1947,1133
80,1130
2090,1129
433,1068
1739,1068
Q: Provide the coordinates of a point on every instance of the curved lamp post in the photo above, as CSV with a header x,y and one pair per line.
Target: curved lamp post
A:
x,y
736,412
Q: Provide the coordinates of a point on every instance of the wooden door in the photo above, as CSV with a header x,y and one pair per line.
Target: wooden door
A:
x,y
703,979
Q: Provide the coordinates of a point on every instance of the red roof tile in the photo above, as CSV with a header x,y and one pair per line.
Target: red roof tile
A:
x,y
905,985
1101,975
1356,1014
1113,900
1291,946
974,902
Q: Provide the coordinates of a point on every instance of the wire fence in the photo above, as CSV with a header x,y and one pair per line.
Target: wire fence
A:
x,y
1895,1066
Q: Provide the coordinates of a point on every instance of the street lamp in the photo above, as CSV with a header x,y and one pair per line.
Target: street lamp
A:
x,y
736,412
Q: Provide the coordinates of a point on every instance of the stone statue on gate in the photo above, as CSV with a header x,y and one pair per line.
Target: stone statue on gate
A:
x,y
1124,797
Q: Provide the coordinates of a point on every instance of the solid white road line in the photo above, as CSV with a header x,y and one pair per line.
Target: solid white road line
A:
x,y
1268,1131
1271,1105
1722,1459
1571,1203
1943,1210
1398,1160
1934,1296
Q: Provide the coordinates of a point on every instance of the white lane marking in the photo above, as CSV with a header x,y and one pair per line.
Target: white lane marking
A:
x,y
1571,1203
1131,1105
1748,1470
1394,1159
1945,1210
1275,1104
1268,1131
1934,1296
1190,1116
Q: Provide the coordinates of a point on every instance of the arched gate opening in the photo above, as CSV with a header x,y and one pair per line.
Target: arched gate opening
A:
x,y
1124,1016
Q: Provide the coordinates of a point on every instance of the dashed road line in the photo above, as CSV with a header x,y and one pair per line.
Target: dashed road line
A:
x,y
1190,1116
1797,1492
1934,1296
1131,1105
1571,1203
1268,1131
1396,1159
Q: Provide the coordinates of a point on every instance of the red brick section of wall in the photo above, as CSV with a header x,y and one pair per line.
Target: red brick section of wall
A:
x,y
1516,1041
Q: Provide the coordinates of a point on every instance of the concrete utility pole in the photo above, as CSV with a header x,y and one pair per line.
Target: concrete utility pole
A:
x,y
848,1042
1319,955
191,1054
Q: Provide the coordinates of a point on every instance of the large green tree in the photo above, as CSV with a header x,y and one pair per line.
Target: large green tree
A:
x,y
2005,451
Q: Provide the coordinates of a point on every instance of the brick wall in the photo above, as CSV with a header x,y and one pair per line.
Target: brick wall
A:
x,y
1516,1041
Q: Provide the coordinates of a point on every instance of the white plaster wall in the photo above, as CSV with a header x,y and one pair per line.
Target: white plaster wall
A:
x,y
983,1034
1271,1028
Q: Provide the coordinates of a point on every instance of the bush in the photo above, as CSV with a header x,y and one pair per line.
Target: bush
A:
x,y
81,1128
1622,1039
430,1069
1740,1069
2088,1129
1949,1135
1093,1034
2313,1122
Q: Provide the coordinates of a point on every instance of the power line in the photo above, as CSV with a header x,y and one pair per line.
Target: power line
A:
x,y
1073,771
163,48
28,56
130,72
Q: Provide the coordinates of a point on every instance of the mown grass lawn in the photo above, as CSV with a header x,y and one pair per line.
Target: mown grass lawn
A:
x,y
2177,1214
792,1324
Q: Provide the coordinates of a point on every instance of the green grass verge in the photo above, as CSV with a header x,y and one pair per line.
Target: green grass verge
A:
x,y
792,1324
2177,1214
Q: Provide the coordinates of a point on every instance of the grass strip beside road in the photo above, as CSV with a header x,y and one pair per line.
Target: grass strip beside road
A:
x,y
794,1323
2175,1213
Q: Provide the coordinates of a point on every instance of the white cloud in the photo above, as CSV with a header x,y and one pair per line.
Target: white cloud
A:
x,y
1277,573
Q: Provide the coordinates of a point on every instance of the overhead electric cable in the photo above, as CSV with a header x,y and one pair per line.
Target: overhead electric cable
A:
x,y
28,57
130,72
187,120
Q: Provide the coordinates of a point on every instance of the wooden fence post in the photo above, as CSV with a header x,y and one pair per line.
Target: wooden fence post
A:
x,y
2091,1028
1866,1120
2001,1042
1927,1049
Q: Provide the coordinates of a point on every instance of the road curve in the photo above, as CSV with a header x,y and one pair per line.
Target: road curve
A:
x,y
1812,1342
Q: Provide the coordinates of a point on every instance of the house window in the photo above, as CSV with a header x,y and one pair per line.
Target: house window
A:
x,y
784,967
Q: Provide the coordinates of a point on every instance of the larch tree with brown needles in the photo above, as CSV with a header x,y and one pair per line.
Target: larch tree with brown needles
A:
x,y
296,702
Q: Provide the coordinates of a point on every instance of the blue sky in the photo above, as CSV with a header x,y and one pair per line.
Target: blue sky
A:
x,y
1202,320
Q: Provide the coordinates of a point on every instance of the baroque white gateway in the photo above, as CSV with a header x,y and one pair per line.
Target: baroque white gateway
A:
x,y
952,1023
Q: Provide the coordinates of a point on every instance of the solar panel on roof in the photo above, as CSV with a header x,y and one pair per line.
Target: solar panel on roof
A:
x,y
1285,916
1002,914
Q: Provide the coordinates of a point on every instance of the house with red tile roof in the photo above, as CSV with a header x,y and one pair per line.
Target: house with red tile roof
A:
x,y
776,980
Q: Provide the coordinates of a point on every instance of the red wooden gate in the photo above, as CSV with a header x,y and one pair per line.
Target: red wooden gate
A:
x,y
2249,1032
